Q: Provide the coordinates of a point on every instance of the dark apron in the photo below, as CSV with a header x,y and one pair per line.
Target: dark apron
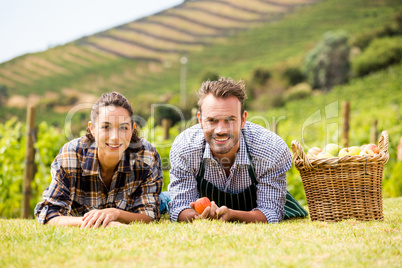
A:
x,y
246,200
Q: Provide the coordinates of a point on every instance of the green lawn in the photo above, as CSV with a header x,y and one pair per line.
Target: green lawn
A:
x,y
299,243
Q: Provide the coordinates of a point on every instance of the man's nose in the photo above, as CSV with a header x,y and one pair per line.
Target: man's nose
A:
x,y
222,127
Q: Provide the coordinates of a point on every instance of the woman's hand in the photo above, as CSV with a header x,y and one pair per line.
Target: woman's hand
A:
x,y
96,218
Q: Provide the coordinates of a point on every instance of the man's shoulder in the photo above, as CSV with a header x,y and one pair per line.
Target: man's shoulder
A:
x,y
190,140
262,142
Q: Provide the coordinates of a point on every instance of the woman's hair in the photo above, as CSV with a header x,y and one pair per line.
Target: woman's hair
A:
x,y
223,88
112,99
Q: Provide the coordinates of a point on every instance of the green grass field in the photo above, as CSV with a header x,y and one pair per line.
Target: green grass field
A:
x,y
293,243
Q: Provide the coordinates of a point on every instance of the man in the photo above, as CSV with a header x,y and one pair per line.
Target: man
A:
x,y
240,166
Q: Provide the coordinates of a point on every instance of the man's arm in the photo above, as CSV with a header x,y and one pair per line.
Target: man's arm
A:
x,y
271,187
183,185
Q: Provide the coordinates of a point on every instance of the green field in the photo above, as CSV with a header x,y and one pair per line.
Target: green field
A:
x,y
295,243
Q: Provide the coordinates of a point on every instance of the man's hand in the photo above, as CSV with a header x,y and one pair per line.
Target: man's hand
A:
x,y
214,212
96,218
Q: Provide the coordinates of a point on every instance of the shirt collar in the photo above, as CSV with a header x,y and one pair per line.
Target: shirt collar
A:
x,y
241,156
90,161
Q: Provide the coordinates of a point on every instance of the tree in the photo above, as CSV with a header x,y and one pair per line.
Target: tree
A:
x,y
327,64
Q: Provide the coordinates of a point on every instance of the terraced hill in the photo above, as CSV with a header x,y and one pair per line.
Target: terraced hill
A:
x,y
141,58
124,55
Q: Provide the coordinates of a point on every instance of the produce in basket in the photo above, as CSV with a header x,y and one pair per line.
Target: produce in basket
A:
x,y
372,147
354,150
332,148
367,152
324,155
340,188
313,152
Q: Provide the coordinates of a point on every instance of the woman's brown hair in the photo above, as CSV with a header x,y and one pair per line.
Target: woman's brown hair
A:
x,y
112,99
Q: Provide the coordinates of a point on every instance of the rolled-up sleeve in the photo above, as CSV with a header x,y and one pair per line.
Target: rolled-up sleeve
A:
x,y
56,198
271,187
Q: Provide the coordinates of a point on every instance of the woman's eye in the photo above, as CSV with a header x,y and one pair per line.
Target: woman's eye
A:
x,y
124,128
105,127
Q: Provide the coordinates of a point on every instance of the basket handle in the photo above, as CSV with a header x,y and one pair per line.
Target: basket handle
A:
x,y
298,153
383,142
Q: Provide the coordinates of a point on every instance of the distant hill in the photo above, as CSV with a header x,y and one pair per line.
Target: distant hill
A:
x,y
141,58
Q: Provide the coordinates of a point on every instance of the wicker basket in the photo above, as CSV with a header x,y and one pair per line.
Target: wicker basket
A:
x,y
343,187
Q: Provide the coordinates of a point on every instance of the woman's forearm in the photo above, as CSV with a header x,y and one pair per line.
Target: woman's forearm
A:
x,y
65,221
128,217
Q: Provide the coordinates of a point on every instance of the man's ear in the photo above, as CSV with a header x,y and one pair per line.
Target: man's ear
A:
x,y
243,119
199,118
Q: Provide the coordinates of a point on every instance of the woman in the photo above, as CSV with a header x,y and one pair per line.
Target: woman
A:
x,y
108,177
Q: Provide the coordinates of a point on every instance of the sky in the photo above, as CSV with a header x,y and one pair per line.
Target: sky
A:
x,y
28,26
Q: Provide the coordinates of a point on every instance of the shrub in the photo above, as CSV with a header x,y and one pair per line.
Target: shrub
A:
x,y
298,92
378,55
261,76
294,75
209,75
327,64
392,28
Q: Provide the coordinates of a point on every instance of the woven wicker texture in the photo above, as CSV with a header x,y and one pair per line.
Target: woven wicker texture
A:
x,y
345,187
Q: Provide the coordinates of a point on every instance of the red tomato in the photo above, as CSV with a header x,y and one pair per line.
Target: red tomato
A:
x,y
201,204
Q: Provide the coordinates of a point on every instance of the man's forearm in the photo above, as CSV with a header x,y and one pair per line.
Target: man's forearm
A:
x,y
247,216
187,215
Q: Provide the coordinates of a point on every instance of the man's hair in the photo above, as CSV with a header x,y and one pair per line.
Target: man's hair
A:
x,y
113,99
223,88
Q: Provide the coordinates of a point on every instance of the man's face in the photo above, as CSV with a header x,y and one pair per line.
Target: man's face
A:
x,y
221,120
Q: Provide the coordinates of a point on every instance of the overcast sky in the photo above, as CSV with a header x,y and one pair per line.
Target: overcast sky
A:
x,y
35,25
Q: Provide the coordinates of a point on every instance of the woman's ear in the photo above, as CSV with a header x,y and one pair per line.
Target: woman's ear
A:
x,y
134,126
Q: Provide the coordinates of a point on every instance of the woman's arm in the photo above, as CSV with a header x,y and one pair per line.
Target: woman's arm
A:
x,y
103,217
65,221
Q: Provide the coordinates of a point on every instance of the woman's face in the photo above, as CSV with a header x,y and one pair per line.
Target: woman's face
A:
x,y
112,132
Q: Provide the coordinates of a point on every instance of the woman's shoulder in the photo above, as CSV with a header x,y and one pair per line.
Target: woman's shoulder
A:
x,y
73,152
77,145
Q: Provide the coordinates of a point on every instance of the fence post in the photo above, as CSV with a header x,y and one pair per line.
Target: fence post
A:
x,y
345,123
29,171
374,132
166,125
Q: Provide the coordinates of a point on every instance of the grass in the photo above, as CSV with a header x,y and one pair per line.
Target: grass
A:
x,y
293,243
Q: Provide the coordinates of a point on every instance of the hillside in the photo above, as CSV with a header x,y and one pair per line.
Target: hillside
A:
x,y
125,57
141,58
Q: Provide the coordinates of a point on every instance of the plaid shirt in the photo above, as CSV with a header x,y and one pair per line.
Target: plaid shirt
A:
x,y
77,186
269,153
